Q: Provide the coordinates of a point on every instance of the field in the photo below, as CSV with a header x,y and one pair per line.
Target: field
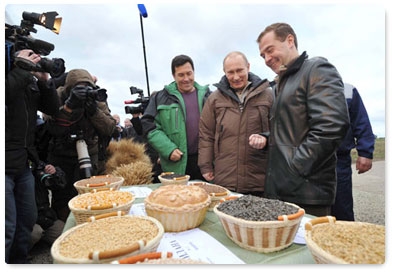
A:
x,y
379,151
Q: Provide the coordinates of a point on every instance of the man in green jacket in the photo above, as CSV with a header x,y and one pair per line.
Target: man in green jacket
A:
x,y
171,120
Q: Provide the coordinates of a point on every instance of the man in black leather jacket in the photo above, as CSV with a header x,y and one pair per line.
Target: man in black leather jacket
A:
x,y
309,119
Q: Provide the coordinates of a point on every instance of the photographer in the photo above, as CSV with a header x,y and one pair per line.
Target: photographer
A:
x,y
82,118
26,93
48,178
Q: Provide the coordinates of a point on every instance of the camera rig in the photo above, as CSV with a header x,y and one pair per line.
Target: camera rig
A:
x,y
139,104
18,38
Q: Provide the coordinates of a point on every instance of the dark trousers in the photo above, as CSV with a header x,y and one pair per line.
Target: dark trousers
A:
x,y
342,209
193,169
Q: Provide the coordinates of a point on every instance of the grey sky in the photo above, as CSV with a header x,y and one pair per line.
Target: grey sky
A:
x,y
106,40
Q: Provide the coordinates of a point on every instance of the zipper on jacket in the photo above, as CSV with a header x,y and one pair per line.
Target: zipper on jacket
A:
x,y
241,107
176,118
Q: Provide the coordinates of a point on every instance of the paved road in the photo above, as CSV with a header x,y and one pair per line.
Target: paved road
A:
x,y
369,194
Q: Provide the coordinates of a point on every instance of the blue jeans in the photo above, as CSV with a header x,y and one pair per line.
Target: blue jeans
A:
x,y
20,216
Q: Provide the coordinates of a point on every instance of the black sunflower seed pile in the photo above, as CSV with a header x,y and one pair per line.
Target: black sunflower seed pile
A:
x,y
253,208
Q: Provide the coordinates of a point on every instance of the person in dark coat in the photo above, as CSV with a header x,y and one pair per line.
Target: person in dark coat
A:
x,y
308,121
26,93
359,136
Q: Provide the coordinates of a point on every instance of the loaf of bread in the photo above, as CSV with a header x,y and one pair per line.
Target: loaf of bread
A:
x,y
178,207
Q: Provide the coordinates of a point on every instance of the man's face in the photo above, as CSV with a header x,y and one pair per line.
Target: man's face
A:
x,y
184,77
274,52
236,71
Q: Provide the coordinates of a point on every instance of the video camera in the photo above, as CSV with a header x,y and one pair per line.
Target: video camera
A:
x,y
18,38
140,103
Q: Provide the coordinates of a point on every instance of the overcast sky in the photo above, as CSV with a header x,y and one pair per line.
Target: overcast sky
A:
x,y
106,40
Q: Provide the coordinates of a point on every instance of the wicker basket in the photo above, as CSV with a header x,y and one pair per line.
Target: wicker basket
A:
x,y
358,245
216,192
82,215
181,180
110,230
99,182
261,236
190,211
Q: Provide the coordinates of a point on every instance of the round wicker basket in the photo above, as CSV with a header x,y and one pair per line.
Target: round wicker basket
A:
x,y
86,205
261,236
101,240
216,192
345,242
99,182
181,180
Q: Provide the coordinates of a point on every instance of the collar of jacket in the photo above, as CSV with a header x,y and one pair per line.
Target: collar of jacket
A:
x,y
294,66
173,90
224,86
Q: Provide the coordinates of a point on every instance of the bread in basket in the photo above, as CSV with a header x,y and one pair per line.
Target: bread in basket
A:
x,y
103,201
107,239
99,182
345,242
259,224
178,207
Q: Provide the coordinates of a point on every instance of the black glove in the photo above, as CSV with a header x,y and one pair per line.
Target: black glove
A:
x,y
90,106
77,97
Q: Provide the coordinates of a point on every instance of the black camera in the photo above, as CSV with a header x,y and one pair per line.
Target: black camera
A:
x,y
55,67
139,104
134,109
99,94
19,38
56,181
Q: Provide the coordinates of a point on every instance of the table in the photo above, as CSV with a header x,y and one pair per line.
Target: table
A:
x,y
294,254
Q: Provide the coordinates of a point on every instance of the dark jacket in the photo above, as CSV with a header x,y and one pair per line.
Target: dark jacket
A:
x,y
309,120
360,134
164,124
225,126
24,97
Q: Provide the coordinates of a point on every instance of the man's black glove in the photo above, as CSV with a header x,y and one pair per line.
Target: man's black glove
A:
x,y
77,97
90,106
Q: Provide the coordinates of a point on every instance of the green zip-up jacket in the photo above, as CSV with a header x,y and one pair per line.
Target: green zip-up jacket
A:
x,y
164,124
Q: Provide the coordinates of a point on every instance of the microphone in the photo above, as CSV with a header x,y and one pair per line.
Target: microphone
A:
x,y
143,10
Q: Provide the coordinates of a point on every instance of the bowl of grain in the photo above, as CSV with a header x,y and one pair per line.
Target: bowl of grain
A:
x,y
345,242
259,224
99,182
107,239
86,205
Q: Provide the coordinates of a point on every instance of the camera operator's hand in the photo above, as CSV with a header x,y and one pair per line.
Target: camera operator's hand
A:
x,y
28,55
50,169
77,97
90,106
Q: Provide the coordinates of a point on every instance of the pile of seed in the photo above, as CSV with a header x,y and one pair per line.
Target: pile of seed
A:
x,y
253,208
107,234
354,242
